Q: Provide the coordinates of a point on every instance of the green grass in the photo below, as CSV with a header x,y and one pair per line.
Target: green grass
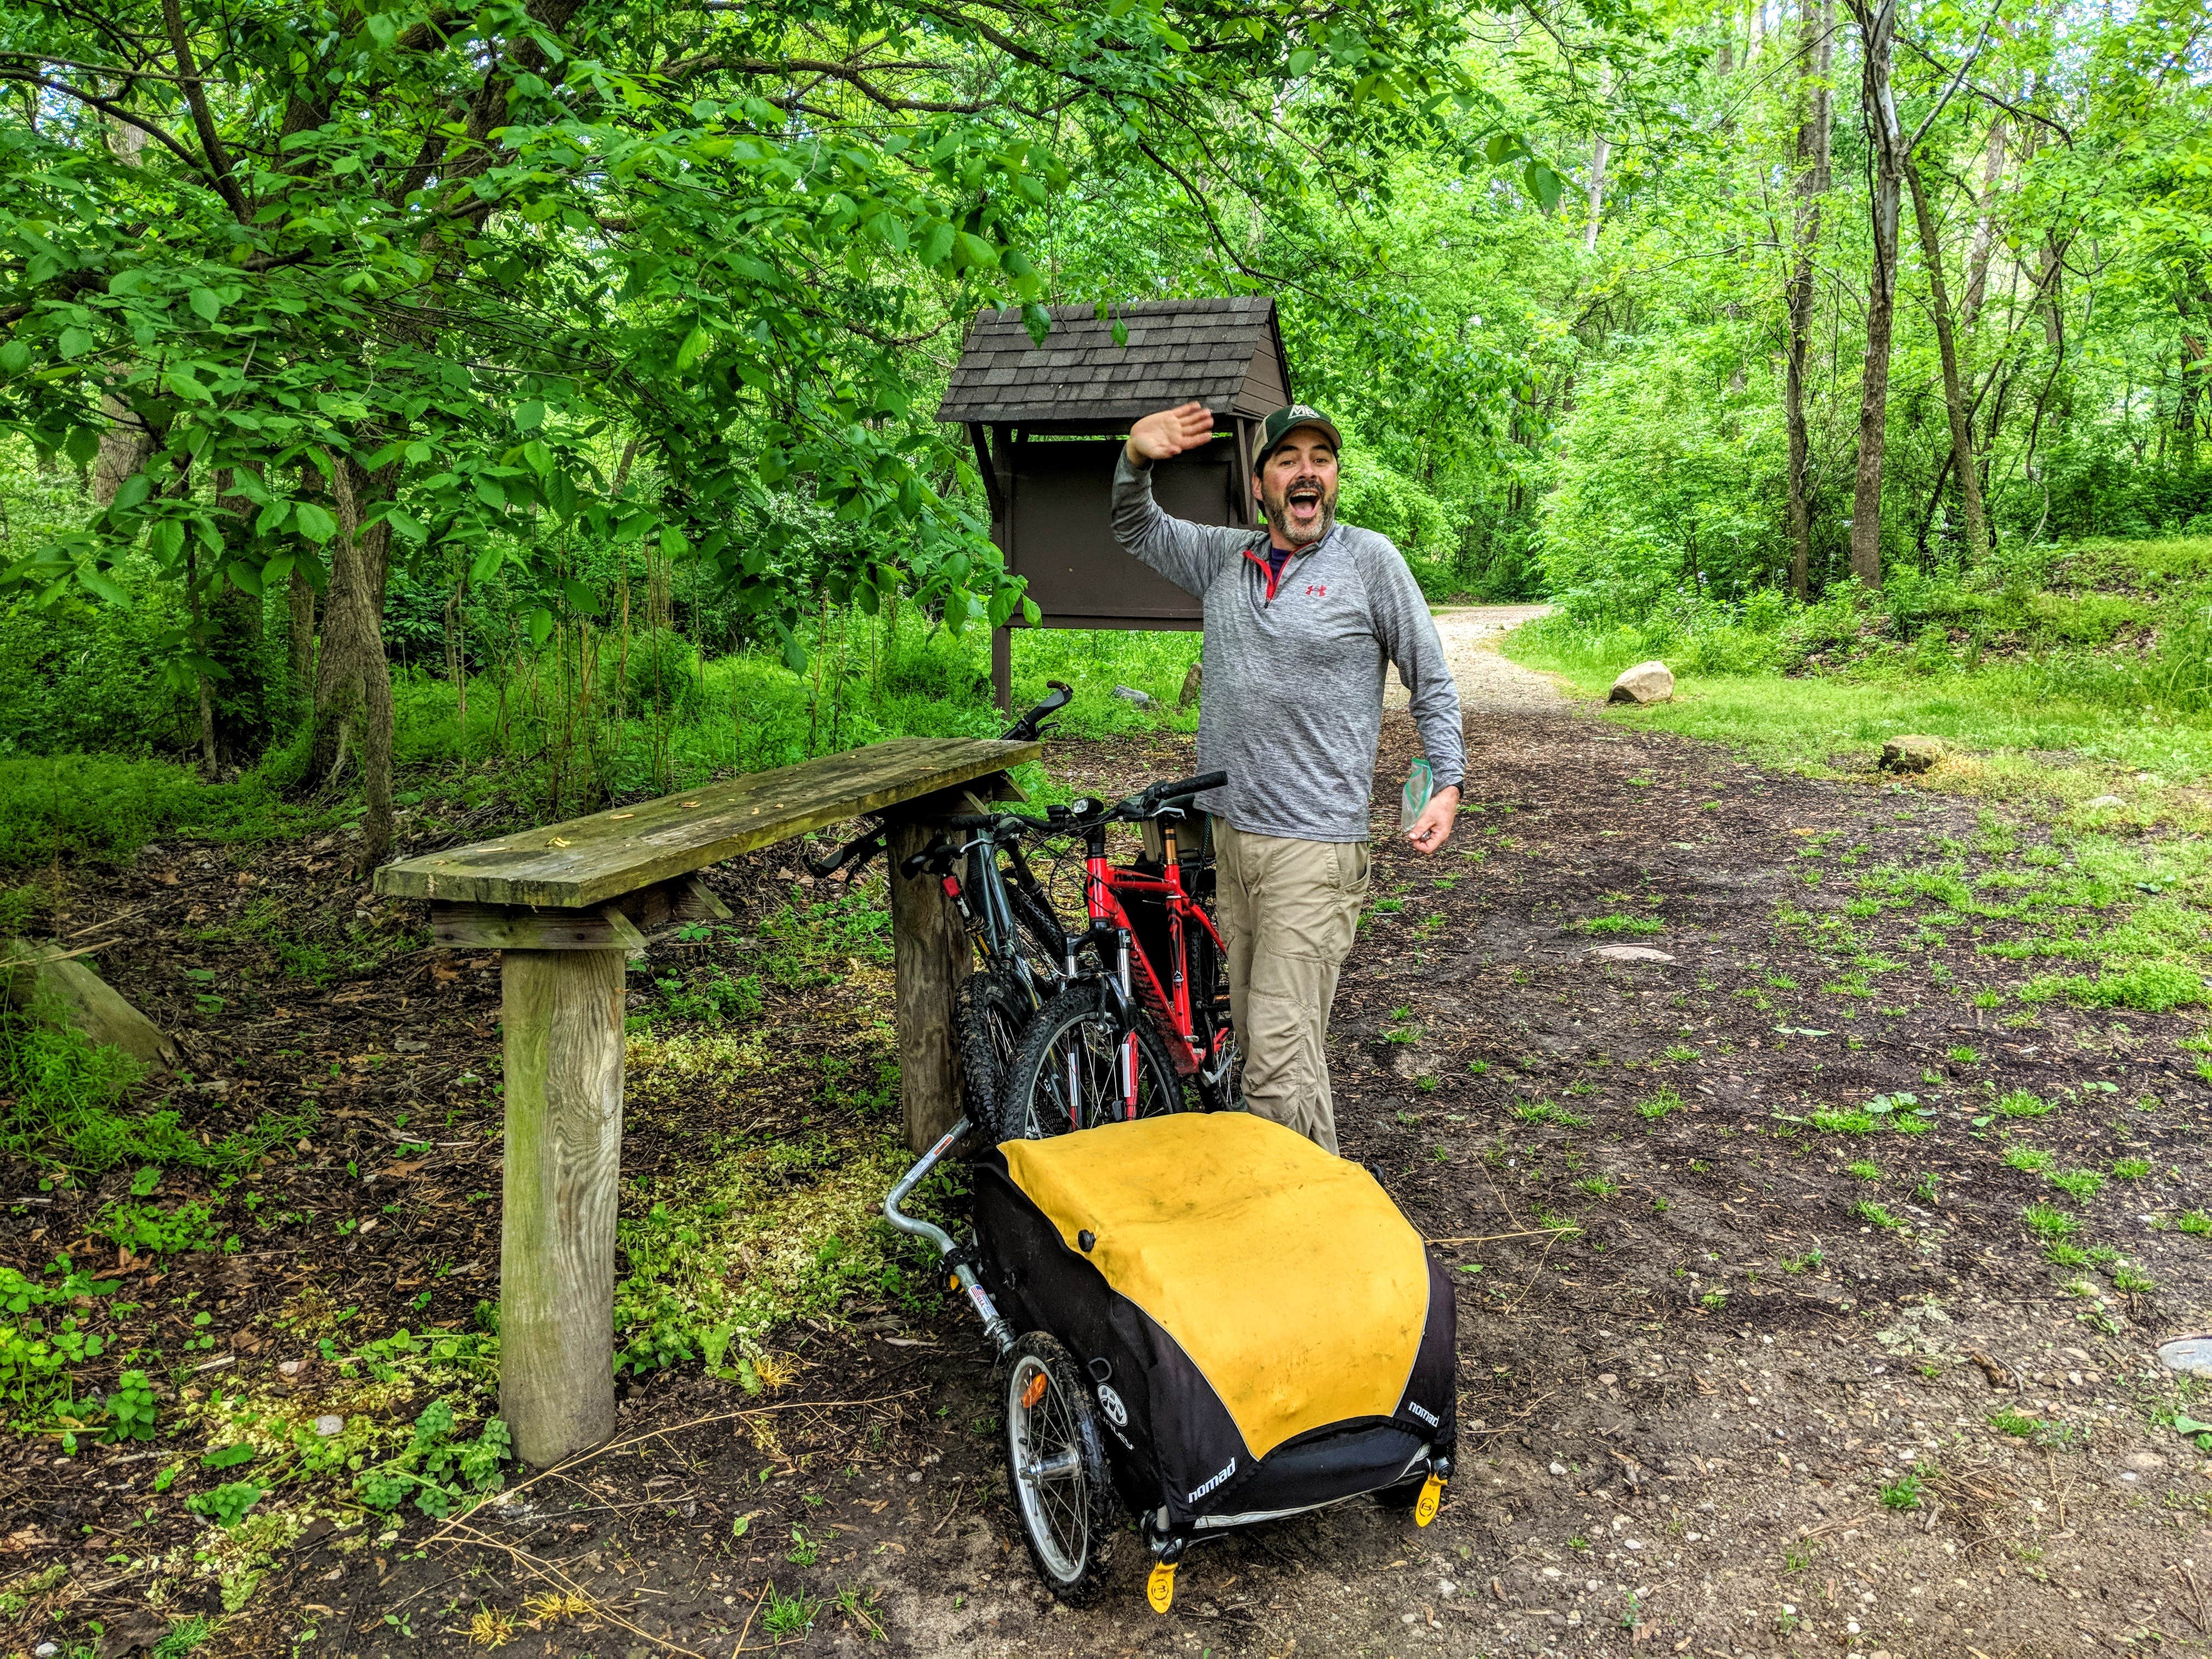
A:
x,y
2130,1168
2019,1103
1903,1494
1545,1111
1620,924
2080,1185
2031,1160
1665,1101
1865,1170
68,1102
2048,1222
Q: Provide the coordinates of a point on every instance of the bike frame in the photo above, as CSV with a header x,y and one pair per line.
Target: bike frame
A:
x,y
1168,1003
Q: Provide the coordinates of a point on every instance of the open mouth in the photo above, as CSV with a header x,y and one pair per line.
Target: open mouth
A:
x,y
1304,499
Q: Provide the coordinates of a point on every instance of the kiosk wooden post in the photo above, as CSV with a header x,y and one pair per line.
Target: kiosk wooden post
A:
x,y
564,906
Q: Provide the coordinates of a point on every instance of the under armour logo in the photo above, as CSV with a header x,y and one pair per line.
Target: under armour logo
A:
x,y
1318,590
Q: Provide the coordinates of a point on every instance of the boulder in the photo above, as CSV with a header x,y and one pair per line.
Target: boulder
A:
x,y
1629,953
1134,698
63,987
1913,754
1648,681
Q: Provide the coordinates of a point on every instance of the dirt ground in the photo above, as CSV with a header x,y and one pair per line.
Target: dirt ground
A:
x,y
1697,1348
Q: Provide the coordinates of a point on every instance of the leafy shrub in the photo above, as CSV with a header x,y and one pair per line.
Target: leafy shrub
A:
x,y
658,672
227,1505
150,1230
43,1337
439,1467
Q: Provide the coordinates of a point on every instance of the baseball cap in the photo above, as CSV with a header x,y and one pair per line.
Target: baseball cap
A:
x,y
1279,425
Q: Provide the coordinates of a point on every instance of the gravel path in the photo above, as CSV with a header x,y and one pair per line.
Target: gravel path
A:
x,y
1487,681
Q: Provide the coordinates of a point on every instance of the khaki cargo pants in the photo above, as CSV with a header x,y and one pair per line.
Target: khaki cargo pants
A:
x,y
1287,910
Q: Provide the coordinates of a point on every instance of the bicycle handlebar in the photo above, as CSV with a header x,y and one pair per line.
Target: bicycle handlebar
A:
x,y
1181,786
1029,723
855,853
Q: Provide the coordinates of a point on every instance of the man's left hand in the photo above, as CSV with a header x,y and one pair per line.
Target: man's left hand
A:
x,y
1433,827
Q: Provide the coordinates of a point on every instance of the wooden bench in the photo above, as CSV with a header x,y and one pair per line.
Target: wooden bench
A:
x,y
564,906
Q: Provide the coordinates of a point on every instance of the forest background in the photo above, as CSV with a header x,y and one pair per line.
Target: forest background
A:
x,y
577,361
418,419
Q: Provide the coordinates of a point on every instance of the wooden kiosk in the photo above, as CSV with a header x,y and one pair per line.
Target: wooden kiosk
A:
x,y
565,907
1047,422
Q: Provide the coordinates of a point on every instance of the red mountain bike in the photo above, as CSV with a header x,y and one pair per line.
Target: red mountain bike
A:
x,y
1147,1029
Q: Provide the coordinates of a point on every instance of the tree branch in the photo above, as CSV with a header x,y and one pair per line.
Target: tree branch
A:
x,y
218,160
853,75
107,108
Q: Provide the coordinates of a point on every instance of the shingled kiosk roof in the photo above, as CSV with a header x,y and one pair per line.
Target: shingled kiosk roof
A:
x,y
1226,353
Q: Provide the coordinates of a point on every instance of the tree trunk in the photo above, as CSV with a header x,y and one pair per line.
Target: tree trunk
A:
x,y
1985,226
300,646
354,696
1601,147
208,770
1817,32
2194,302
1955,397
1877,28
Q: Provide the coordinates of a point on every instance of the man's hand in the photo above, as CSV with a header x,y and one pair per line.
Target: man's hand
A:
x,y
1163,437
1433,827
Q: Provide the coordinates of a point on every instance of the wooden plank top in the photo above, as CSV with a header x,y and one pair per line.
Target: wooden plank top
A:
x,y
588,861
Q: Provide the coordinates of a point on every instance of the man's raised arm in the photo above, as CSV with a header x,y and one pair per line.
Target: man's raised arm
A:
x,y
1190,555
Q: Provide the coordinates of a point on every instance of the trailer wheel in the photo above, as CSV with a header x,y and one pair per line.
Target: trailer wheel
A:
x,y
1056,1464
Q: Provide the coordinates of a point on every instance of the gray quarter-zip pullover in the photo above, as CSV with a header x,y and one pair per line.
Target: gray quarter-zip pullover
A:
x,y
1294,664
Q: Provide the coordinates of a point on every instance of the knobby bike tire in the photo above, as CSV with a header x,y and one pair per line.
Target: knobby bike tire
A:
x,y
991,1015
1037,1102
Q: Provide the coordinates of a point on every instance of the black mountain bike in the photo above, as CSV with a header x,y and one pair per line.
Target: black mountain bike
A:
x,y
1022,952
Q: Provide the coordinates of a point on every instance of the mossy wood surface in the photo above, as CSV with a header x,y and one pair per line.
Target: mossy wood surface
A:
x,y
562,1012
588,861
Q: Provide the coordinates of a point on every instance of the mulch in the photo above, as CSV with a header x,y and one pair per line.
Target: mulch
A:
x,y
1622,1277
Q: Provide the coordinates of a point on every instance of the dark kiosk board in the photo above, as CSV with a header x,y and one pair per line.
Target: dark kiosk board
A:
x,y
1047,422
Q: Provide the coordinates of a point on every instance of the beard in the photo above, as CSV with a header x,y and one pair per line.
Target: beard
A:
x,y
1293,529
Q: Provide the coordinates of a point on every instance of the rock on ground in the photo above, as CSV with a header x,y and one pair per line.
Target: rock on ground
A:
x,y
63,988
1913,754
1647,682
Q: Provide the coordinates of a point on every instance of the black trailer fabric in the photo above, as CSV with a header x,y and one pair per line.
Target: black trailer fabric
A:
x,y
1263,1330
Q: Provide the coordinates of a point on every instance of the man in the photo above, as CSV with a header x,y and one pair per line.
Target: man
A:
x,y
1300,619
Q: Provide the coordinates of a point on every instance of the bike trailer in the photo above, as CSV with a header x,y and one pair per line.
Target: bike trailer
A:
x,y
1255,1328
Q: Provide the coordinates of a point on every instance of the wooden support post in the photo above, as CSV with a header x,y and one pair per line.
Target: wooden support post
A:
x,y
1002,669
930,951
563,1011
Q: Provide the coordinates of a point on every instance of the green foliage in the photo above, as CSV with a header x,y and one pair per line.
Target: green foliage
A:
x,y
62,1102
227,1505
43,1336
1903,1494
99,807
440,1468
148,1230
2154,987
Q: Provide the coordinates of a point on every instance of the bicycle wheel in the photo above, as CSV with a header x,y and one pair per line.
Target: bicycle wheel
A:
x,y
1056,1458
1068,1075
1043,939
991,1013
